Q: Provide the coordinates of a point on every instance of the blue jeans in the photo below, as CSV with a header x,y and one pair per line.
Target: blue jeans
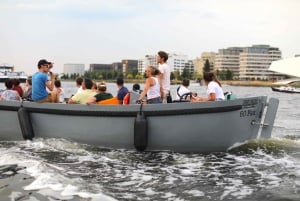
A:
x,y
154,100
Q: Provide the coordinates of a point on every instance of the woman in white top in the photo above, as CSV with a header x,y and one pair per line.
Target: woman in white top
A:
x,y
214,89
152,87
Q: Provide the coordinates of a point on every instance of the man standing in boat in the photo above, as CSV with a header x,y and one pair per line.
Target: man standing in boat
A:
x,y
164,75
40,82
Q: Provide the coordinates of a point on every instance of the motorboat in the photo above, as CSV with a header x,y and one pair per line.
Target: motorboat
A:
x,y
180,127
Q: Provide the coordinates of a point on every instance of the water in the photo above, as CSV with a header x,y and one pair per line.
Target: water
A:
x,y
57,169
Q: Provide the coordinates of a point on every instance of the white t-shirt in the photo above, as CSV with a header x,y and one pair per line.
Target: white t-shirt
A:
x,y
166,71
214,87
182,90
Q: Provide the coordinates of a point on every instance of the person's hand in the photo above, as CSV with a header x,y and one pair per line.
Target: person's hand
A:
x,y
52,75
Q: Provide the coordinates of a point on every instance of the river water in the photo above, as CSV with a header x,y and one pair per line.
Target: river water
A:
x,y
57,169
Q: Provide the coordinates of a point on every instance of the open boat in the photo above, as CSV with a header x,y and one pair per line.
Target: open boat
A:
x,y
286,89
180,127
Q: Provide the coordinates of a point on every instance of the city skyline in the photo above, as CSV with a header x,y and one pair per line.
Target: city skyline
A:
x,y
105,32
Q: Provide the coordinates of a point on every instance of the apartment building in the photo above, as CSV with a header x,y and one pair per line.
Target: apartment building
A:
x,y
255,62
177,62
70,69
229,59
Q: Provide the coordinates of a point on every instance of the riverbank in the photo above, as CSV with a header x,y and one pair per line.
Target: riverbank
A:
x,y
224,82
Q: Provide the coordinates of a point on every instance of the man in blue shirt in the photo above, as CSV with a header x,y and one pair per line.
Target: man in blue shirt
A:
x,y
40,82
122,90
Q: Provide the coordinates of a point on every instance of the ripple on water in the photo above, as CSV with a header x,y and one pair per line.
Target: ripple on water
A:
x,y
251,170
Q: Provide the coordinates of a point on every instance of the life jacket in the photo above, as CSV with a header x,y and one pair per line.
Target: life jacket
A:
x,y
111,101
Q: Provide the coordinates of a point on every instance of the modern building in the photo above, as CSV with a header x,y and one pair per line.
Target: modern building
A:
x,y
228,59
255,62
129,65
177,62
70,69
101,67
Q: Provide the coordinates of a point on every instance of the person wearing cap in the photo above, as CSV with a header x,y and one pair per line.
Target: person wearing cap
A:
x,y
102,95
122,90
41,82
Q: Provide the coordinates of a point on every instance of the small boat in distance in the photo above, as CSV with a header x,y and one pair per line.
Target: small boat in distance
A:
x,y
7,72
286,89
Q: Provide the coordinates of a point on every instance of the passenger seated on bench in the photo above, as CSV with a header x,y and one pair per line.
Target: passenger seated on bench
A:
x,y
58,94
214,89
9,94
102,94
183,93
83,96
122,90
136,88
27,90
135,93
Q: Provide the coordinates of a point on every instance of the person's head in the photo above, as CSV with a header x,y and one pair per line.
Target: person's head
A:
x,y
162,57
136,87
102,87
210,76
120,81
16,81
186,82
151,71
87,83
57,83
9,83
79,81
43,65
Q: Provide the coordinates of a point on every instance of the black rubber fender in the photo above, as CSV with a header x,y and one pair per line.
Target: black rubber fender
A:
x,y
140,132
25,124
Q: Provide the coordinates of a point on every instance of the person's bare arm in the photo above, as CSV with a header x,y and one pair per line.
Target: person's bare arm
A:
x,y
50,84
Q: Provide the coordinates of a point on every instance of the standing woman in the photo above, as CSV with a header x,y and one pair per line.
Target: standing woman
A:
x,y
214,89
152,88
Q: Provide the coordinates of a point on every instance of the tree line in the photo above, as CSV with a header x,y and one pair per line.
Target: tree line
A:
x,y
134,74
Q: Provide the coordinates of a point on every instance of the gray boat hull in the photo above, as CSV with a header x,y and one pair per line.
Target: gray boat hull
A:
x,y
180,127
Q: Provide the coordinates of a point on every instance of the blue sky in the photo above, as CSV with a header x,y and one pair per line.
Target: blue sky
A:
x,y
98,31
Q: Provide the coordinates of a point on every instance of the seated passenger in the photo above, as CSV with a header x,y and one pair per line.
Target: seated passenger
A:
x,y
122,90
58,94
27,90
136,88
102,95
17,86
9,94
83,96
214,89
183,93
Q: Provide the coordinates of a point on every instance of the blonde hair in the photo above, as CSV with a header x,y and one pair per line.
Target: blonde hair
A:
x,y
102,86
154,71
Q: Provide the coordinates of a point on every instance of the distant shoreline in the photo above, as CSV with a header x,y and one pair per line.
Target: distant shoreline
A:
x,y
224,82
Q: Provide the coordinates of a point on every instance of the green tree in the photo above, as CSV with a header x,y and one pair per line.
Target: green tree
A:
x,y
229,75
129,76
206,67
186,73
172,76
